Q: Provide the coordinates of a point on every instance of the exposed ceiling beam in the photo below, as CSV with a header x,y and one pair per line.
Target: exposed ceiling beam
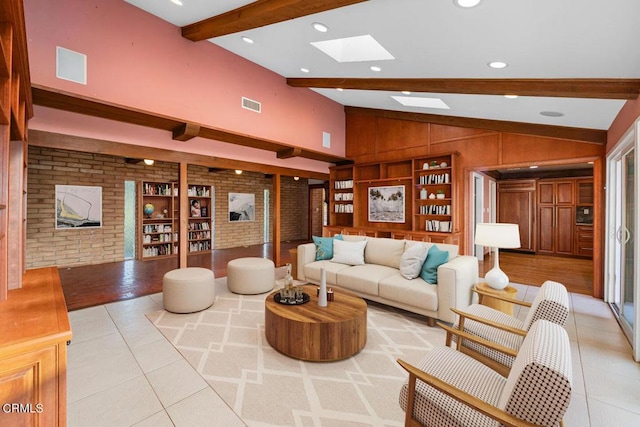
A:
x,y
289,153
258,14
560,88
60,100
563,132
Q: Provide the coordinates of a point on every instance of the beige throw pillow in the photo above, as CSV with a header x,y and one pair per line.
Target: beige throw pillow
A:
x,y
350,253
412,260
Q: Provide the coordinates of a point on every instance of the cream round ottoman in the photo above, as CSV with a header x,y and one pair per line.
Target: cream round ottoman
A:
x,y
187,290
250,275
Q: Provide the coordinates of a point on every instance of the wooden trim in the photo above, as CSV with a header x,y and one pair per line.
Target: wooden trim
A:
x,y
258,14
53,98
277,212
39,138
557,88
502,297
559,132
185,212
496,325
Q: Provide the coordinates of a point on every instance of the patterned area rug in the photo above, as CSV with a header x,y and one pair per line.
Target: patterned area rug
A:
x,y
226,344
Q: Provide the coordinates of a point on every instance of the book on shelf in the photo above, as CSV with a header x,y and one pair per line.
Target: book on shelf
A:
x,y
435,225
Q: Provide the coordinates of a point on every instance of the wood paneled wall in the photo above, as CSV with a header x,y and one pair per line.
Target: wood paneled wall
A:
x,y
376,136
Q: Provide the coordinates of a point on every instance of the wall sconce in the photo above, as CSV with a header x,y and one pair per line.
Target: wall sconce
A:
x,y
296,178
238,172
149,162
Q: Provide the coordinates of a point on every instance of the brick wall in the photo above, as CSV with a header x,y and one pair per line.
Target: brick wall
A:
x,y
47,167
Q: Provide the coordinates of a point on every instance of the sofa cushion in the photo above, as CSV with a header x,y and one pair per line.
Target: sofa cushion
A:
x,y
452,249
331,269
412,260
383,251
324,246
350,253
415,292
364,278
435,258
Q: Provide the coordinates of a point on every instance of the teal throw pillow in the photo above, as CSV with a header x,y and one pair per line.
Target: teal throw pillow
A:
x,y
435,258
324,246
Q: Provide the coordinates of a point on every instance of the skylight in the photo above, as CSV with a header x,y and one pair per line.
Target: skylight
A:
x,y
354,49
413,101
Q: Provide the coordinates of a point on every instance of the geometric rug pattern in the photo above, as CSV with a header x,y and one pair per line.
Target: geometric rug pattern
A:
x,y
226,344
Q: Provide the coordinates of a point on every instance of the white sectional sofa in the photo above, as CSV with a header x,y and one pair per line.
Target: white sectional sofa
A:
x,y
380,280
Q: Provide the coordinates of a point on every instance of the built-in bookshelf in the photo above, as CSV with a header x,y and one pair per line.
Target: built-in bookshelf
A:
x,y
433,194
341,195
158,220
200,218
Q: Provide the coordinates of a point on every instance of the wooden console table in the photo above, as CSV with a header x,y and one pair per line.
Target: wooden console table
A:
x,y
33,352
319,334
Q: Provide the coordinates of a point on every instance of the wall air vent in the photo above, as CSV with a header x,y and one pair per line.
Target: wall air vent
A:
x,y
252,105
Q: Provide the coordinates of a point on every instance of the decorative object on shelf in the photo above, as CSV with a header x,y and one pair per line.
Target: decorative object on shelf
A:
x,y
322,295
432,196
195,208
423,193
497,235
148,209
443,165
425,166
386,204
440,194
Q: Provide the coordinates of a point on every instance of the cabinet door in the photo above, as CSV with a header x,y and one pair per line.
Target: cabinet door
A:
x,y
546,229
516,207
546,193
564,193
565,218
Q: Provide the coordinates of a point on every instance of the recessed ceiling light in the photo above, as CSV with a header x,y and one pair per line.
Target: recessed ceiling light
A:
x,y
511,96
375,68
304,70
406,92
320,27
533,167
551,113
178,2
238,171
247,40
339,89
354,49
412,101
467,3
296,178
589,163
149,162
497,64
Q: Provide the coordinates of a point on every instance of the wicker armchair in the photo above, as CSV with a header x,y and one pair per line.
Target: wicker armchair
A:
x,y
506,332
449,388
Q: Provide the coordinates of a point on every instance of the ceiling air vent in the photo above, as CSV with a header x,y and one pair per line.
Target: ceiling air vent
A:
x,y
252,105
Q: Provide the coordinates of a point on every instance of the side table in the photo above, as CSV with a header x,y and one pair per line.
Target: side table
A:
x,y
498,304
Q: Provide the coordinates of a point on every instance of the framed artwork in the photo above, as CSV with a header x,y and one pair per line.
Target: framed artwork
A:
x,y
78,206
386,204
242,207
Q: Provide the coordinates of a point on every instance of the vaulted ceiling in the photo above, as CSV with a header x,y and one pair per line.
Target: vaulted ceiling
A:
x,y
572,64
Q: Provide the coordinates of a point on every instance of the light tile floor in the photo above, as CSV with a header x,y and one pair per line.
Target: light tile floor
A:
x,y
123,372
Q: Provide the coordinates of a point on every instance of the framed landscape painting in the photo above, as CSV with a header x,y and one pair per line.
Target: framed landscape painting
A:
x,y
78,206
386,204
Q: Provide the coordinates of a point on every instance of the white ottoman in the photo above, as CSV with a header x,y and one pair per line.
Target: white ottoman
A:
x,y
187,290
250,275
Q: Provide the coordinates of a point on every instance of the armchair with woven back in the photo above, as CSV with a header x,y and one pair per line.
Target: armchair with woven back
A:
x,y
523,379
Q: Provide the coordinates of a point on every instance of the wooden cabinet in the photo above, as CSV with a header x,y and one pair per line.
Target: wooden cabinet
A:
x,y
33,352
584,240
341,196
556,216
158,215
517,205
200,224
434,197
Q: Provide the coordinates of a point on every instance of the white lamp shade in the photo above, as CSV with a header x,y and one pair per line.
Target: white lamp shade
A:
x,y
498,235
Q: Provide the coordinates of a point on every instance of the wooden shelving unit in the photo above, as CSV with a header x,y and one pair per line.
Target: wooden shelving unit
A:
x,y
158,236
341,196
200,224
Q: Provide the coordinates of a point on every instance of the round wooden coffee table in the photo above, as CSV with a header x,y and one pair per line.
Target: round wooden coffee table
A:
x,y
319,334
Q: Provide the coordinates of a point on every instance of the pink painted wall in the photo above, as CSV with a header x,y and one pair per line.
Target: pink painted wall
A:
x,y
623,121
167,74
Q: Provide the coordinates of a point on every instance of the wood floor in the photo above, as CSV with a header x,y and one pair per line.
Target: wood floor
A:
x,y
92,285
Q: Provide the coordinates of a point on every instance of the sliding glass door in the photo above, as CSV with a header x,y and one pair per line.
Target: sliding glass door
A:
x,y
622,243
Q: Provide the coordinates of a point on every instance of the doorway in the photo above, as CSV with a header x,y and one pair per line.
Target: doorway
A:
x,y
621,243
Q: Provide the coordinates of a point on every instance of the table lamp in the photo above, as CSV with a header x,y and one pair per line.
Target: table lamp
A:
x,y
497,235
